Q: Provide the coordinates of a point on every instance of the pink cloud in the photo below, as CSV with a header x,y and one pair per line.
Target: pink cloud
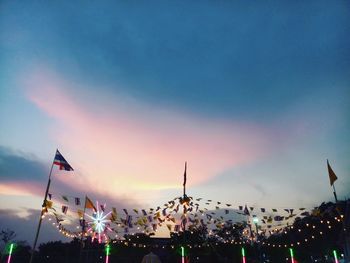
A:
x,y
19,189
135,148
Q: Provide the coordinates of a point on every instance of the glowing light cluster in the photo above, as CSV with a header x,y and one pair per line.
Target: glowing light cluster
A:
x,y
99,224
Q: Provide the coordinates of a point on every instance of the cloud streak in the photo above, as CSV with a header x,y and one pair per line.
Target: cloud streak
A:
x,y
17,165
138,147
24,179
23,221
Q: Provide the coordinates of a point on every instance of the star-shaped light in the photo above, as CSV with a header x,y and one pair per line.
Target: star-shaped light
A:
x,y
98,224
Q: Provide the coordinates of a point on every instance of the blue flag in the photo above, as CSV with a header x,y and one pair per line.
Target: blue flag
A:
x,y
61,162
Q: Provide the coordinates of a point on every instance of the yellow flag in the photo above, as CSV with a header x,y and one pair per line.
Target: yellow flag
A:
x,y
80,213
316,212
89,204
113,217
331,173
48,204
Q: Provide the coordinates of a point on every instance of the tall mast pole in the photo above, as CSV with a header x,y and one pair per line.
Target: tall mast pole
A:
x,y
42,213
82,232
335,194
184,200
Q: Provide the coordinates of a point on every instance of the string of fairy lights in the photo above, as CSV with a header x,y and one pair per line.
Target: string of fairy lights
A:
x,y
127,242
247,236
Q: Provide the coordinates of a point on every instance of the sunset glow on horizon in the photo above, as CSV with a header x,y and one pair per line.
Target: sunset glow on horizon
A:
x,y
255,101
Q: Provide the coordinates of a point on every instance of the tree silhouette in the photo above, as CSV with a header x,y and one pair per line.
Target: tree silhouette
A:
x,y
7,235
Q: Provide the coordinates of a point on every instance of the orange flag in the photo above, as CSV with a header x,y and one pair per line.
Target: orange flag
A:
x,y
331,173
89,204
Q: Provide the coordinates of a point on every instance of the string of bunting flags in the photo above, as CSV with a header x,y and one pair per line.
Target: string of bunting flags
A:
x,y
125,221
314,233
77,217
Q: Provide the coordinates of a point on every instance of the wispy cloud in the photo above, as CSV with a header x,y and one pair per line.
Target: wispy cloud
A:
x,y
18,165
24,179
23,221
138,147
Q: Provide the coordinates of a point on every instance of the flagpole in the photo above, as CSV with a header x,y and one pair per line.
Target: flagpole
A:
x,y
185,179
184,213
184,198
83,231
335,194
41,214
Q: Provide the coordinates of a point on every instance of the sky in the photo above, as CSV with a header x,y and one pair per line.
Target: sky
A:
x,y
254,96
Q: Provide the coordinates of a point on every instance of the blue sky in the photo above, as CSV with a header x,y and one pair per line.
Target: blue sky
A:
x,y
253,95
